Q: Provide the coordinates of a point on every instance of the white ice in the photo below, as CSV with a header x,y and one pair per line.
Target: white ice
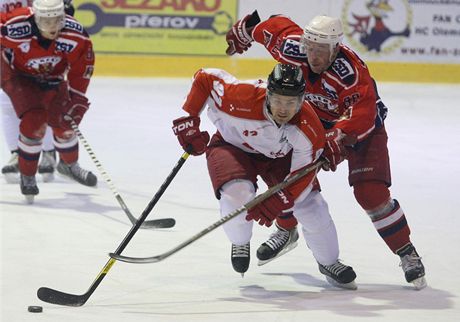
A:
x,y
62,240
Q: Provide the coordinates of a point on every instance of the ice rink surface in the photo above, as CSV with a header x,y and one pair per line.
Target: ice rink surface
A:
x,y
63,239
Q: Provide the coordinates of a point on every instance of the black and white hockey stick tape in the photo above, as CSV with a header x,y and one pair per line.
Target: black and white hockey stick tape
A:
x,y
154,223
57,297
233,214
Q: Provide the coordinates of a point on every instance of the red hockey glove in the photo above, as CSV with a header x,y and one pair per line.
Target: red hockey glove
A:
x,y
334,150
187,130
239,38
266,211
74,110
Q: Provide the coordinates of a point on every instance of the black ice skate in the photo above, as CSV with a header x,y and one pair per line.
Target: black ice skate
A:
x,y
339,275
412,266
29,187
75,172
11,170
279,243
47,165
240,258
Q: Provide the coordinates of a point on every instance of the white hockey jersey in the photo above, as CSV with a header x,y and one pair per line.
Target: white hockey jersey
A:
x,y
239,112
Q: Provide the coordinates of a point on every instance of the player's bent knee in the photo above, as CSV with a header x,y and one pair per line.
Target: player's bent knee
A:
x,y
313,214
238,191
33,124
371,194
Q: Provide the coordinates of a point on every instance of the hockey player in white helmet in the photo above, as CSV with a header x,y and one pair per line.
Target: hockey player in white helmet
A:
x,y
47,91
345,98
10,121
320,41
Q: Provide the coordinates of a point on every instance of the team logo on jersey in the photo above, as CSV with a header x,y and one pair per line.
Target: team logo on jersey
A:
x,y
322,102
19,30
376,27
291,48
330,90
65,45
342,67
43,65
267,37
25,47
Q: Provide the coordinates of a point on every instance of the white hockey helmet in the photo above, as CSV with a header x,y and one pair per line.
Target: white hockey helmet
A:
x,y
49,15
324,30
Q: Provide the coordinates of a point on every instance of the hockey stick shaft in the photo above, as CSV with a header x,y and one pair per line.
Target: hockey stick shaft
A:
x,y
57,297
156,223
233,214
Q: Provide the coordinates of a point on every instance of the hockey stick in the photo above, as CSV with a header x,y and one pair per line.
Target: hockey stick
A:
x,y
233,214
57,297
155,223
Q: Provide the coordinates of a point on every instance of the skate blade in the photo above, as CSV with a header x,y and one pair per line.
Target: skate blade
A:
x,y
47,177
284,251
419,283
29,199
12,177
348,286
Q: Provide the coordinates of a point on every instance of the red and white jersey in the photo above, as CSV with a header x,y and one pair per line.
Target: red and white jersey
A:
x,y
10,5
344,96
239,112
28,53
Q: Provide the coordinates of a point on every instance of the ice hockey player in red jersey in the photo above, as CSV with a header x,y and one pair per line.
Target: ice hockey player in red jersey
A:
x,y
265,130
10,121
344,96
47,63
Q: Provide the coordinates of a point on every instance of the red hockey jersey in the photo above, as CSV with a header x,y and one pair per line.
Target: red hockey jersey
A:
x,y
344,96
69,56
239,112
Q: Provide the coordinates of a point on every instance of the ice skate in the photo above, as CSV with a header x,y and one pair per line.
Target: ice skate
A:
x,y
240,258
411,263
47,165
339,275
75,172
11,170
279,243
29,188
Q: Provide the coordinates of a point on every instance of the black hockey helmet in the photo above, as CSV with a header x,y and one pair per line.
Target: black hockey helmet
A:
x,y
286,80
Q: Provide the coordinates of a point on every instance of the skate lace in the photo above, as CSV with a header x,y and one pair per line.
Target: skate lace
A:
x,y
240,250
336,268
410,262
78,171
278,239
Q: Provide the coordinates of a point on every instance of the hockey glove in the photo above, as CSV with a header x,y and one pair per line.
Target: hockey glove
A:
x,y
267,211
239,38
187,130
334,150
74,110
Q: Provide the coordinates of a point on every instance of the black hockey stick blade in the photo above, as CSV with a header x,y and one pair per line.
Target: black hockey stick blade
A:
x,y
49,295
233,214
159,223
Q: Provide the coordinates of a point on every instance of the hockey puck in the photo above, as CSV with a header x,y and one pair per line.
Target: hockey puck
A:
x,y
35,309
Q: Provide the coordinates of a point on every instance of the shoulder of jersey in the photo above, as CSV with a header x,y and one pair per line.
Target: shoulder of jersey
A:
x,y
18,26
346,67
74,27
291,48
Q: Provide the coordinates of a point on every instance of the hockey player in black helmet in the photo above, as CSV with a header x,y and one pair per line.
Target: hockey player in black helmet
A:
x,y
265,131
285,92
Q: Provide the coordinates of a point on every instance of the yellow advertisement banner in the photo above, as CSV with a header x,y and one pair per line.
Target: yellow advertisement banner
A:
x,y
178,27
